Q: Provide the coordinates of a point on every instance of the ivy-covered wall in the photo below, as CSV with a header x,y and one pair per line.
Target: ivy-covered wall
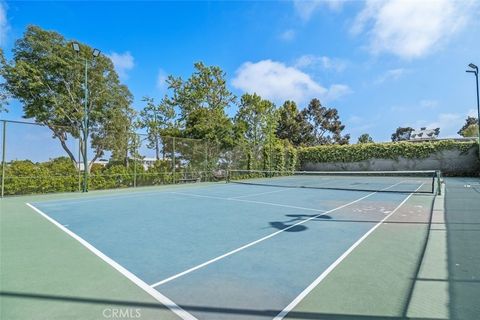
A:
x,y
450,156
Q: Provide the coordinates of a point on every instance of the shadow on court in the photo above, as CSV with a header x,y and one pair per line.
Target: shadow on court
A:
x,y
462,203
289,225
247,312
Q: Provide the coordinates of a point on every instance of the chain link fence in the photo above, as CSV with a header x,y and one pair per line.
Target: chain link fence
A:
x,y
39,159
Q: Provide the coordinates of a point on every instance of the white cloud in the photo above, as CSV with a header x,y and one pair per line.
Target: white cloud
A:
x,y
323,62
306,8
277,82
392,74
4,26
337,91
411,28
162,80
429,104
123,63
288,35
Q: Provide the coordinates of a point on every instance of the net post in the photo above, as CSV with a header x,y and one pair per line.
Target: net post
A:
x,y
4,148
438,174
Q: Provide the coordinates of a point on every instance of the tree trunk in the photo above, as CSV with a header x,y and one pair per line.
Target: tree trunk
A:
x,y
157,148
63,139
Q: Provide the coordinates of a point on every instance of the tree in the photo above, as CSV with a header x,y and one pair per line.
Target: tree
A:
x,y
46,75
3,91
256,123
470,128
292,125
402,134
254,118
202,100
156,119
365,138
325,125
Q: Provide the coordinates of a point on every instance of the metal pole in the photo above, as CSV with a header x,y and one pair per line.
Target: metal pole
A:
x,y
85,131
173,159
4,141
206,175
78,166
135,157
478,113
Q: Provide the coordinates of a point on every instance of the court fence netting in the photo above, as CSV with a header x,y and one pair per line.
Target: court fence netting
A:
x,y
38,159
369,181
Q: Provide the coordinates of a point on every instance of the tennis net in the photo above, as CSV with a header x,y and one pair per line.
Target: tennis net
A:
x,y
371,181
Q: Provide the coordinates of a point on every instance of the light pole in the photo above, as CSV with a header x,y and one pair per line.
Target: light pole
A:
x,y
475,72
95,53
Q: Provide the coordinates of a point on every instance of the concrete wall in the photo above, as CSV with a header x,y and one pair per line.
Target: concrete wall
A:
x,y
450,162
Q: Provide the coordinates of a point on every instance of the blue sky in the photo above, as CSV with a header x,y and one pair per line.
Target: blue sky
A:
x,y
382,64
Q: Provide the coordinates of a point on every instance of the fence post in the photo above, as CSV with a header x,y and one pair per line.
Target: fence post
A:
x,y
78,165
135,156
207,177
4,148
173,158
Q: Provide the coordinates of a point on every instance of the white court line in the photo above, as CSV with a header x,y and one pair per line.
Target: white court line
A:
x,y
250,201
259,240
259,194
325,273
154,293
123,194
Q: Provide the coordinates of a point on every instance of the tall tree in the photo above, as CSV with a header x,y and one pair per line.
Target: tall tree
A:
x,y
46,76
402,134
3,90
325,125
256,121
365,138
470,128
156,119
202,101
254,116
292,125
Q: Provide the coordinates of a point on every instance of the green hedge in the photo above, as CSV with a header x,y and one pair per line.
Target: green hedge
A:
x,y
60,175
366,151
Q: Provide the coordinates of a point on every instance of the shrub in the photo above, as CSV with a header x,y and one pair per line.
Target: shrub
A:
x,y
394,150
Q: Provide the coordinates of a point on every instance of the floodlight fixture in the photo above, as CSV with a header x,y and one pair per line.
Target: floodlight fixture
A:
x,y
76,47
475,72
96,52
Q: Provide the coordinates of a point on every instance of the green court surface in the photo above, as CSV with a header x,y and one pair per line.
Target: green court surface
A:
x,y
231,251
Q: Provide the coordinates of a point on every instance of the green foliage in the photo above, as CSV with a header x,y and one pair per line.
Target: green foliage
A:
x,y
365,138
401,134
156,119
202,100
3,90
26,177
255,126
324,127
470,131
467,130
47,76
360,152
292,125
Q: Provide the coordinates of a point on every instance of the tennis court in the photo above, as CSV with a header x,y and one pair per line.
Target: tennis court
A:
x,y
253,250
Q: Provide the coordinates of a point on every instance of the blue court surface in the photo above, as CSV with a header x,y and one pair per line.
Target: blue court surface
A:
x,y
225,251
